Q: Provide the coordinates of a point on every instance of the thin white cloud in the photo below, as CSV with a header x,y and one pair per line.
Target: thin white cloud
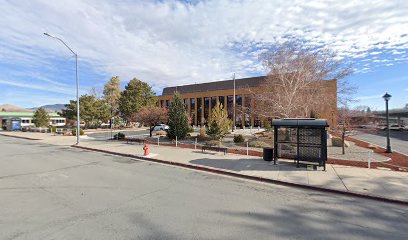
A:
x,y
38,87
362,98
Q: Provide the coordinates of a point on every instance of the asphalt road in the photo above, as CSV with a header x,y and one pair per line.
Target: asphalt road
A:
x,y
398,139
55,192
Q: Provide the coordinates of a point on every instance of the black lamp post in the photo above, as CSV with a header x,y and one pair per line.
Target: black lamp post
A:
x,y
387,97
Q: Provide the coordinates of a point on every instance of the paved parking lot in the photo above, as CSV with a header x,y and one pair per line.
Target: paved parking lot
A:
x,y
398,139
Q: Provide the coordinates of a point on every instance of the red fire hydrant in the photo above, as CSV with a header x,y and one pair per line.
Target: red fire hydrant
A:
x,y
146,149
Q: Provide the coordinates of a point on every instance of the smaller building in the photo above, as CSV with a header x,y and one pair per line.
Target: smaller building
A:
x,y
18,120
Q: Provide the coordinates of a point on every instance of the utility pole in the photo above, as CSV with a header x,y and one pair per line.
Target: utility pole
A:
x,y
233,105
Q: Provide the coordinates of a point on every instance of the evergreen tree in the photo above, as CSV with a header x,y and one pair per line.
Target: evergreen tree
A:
x,y
368,110
136,95
178,121
92,110
219,124
41,118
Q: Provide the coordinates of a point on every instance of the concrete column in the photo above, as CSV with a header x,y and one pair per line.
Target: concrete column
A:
x,y
243,111
202,111
195,111
252,111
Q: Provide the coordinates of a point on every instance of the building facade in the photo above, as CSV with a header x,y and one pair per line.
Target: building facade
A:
x,y
14,120
200,98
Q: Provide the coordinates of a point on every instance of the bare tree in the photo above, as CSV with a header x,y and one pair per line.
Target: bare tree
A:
x,y
150,115
344,115
295,85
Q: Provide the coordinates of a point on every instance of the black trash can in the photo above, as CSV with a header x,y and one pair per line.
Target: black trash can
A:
x,y
268,154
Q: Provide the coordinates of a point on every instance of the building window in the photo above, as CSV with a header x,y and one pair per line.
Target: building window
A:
x,y
238,111
199,107
167,103
213,102
192,111
247,109
221,99
230,104
206,109
186,104
161,103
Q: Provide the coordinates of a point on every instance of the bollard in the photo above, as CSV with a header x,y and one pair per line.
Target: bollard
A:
x,y
158,141
195,144
176,141
369,159
247,149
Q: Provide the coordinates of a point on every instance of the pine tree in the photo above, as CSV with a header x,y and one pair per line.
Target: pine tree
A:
x,y
178,121
219,124
41,118
136,95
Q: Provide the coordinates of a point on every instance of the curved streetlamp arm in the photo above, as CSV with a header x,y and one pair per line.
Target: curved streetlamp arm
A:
x,y
49,35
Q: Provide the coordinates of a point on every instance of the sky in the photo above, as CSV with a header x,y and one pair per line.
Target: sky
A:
x,y
168,43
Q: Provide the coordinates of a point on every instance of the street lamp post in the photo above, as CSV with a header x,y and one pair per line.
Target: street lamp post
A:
x,y
233,107
77,83
387,97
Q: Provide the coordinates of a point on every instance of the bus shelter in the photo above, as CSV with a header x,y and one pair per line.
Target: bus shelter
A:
x,y
303,140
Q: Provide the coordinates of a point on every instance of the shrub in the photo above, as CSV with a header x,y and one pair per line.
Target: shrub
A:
x,y
258,144
238,138
203,134
119,135
213,143
52,129
266,124
190,129
81,132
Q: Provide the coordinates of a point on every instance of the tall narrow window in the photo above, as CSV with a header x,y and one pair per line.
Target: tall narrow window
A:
x,y
247,110
206,109
230,103
186,104
221,99
238,111
199,107
213,102
192,111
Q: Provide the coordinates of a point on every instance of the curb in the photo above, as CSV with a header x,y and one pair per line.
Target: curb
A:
x,y
254,178
27,138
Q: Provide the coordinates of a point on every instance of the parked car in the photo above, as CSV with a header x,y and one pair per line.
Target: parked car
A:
x,y
159,127
395,127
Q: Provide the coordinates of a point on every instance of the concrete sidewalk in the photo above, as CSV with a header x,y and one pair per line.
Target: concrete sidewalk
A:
x,y
374,182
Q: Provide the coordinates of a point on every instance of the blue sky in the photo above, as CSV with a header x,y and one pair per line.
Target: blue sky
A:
x,y
170,43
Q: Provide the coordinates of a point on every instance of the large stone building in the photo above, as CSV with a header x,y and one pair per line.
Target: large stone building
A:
x,y
199,99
